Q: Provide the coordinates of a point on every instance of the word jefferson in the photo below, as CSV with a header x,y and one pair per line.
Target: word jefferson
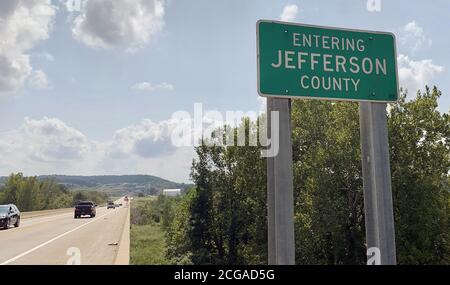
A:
x,y
330,63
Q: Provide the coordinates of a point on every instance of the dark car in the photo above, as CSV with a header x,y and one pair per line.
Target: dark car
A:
x,y
9,215
86,208
111,205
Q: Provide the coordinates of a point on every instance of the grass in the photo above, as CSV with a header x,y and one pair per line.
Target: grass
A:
x,y
148,246
147,242
142,200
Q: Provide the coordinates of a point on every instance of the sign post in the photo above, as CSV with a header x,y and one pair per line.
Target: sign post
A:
x,y
380,232
270,194
312,62
280,188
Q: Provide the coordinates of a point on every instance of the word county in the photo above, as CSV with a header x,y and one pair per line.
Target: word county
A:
x,y
311,63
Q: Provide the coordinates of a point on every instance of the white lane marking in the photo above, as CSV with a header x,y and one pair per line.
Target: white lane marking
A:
x,y
52,240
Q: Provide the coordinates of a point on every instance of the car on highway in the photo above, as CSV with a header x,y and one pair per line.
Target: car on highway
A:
x,y
85,208
110,205
9,215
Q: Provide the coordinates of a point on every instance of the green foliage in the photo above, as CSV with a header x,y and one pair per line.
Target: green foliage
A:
x,y
329,206
151,219
328,183
178,245
33,194
420,164
223,220
154,210
94,196
147,245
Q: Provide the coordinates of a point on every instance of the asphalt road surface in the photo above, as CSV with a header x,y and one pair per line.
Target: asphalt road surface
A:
x,y
59,239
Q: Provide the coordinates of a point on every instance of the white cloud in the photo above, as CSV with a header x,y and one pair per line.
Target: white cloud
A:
x,y
14,68
149,87
39,80
130,24
289,13
22,25
146,139
49,146
52,139
48,140
414,75
412,37
147,147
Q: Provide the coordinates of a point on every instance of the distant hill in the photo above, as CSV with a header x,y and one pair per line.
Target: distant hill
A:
x,y
115,185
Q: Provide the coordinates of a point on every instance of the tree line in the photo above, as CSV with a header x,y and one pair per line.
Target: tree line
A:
x,y
33,194
222,220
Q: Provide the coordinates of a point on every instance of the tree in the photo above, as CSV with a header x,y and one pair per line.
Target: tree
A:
x,y
33,194
224,219
227,212
327,182
12,188
179,246
420,164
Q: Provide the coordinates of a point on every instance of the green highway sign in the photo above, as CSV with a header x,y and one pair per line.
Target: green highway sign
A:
x,y
304,61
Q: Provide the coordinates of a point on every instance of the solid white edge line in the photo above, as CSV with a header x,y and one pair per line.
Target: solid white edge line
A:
x,y
52,240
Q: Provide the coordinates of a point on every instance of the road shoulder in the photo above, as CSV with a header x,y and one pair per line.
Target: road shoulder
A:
x,y
123,253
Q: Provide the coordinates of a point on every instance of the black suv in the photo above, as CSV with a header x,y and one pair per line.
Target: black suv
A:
x,y
85,208
9,215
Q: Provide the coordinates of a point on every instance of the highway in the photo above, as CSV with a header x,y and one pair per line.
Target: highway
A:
x,y
59,239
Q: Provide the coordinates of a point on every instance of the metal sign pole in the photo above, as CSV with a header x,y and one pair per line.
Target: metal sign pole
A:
x,y
270,193
280,193
379,217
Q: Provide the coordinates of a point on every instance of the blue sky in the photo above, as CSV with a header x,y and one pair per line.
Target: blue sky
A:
x,y
92,90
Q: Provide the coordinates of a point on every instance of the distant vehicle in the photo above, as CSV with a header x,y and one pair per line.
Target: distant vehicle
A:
x,y
120,204
111,205
9,215
117,205
86,208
